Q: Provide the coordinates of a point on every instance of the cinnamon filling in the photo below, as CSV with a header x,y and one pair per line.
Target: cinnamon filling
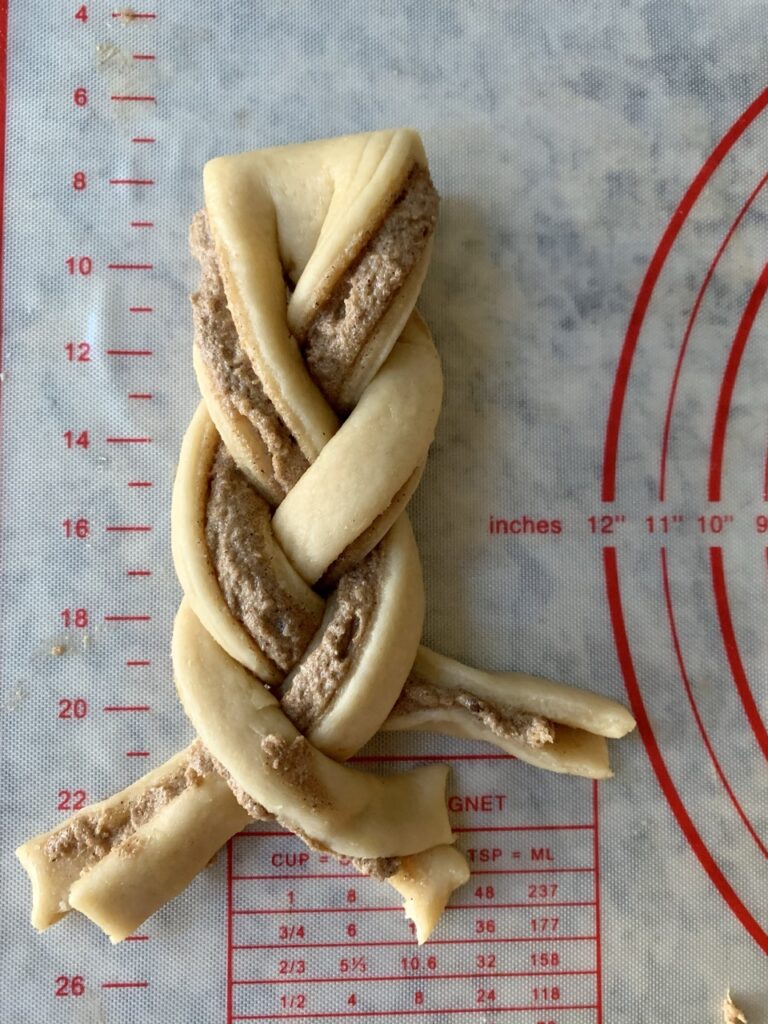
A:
x,y
236,381
310,690
336,340
418,695
239,533
94,834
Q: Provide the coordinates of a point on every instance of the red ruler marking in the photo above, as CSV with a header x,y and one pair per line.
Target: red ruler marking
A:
x,y
664,779
256,912
127,707
728,384
127,618
733,655
361,979
404,942
486,1011
399,907
139,483
128,529
230,947
131,181
143,139
134,99
356,874
130,266
3,132
140,309
695,709
598,913
144,56
526,828
137,753
644,295
139,572
125,984
138,664
479,828
129,440
536,871
689,328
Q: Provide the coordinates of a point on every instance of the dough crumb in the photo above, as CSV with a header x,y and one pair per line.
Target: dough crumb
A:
x,y
15,699
127,14
108,53
58,649
731,1013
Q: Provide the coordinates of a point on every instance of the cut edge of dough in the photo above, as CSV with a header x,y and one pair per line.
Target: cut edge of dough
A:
x,y
426,882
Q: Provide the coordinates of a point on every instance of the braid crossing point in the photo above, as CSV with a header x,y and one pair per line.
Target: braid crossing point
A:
x,y
298,636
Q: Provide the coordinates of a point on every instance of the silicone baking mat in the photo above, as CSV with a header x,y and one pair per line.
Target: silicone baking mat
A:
x,y
595,506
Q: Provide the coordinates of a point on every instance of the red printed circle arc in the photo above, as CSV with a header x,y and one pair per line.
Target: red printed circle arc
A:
x,y
713,492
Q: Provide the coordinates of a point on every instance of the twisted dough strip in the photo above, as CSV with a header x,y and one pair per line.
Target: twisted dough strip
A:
x,y
321,391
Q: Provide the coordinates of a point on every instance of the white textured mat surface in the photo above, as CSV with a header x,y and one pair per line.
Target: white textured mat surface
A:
x,y
606,372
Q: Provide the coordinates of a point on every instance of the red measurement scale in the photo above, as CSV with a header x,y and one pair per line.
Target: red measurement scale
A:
x,y
594,509
307,936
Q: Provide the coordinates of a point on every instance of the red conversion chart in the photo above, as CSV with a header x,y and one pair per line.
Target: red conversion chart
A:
x,y
309,938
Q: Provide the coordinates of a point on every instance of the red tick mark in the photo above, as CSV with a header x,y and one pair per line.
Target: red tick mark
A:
x,y
125,984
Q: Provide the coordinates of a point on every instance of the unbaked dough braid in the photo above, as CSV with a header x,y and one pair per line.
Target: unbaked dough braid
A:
x,y
298,636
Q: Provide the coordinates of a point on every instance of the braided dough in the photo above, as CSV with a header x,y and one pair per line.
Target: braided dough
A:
x,y
321,389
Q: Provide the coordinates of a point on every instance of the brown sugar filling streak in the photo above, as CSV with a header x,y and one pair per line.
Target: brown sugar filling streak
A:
x,y
335,342
419,695
236,382
94,835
